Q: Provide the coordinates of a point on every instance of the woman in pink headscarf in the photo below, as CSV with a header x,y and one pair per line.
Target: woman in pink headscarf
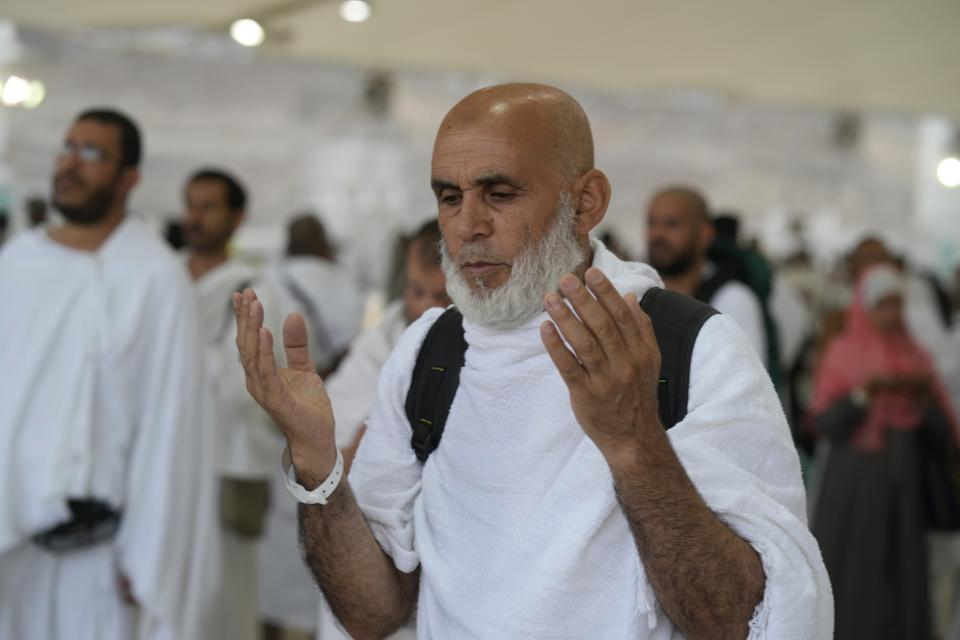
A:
x,y
876,400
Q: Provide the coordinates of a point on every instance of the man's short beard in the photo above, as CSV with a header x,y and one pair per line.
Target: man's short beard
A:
x,y
92,211
536,271
680,265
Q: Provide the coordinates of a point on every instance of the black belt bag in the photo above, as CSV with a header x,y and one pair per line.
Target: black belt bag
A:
x,y
91,522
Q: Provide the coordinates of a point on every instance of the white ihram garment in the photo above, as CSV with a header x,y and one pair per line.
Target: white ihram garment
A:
x,y
246,448
100,399
513,519
335,304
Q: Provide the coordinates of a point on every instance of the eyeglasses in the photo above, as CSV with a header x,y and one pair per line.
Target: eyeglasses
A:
x,y
87,153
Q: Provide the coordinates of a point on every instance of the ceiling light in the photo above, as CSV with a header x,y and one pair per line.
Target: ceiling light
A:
x,y
37,93
15,91
948,172
247,32
355,10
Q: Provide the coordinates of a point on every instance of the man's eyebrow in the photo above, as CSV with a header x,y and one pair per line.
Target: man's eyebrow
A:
x,y
483,181
439,185
495,179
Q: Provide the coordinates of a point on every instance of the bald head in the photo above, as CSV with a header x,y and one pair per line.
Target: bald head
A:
x,y
547,119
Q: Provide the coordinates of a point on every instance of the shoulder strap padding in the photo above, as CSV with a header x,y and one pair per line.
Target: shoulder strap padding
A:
x,y
434,383
677,320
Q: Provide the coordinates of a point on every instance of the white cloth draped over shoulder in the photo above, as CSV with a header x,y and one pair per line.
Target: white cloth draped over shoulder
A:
x,y
246,437
353,386
739,302
100,399
325,295
513,519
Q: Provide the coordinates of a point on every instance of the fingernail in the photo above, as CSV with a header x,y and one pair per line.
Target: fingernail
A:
x,y
252,309
553,301
569,284
594,276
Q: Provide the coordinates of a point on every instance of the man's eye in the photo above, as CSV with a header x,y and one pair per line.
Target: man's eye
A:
x,y
450,199
501,195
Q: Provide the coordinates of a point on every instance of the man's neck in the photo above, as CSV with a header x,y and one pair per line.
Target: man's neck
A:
x,y
83,237
686,282
200,263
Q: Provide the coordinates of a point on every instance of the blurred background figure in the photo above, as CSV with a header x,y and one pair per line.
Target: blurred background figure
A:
x,y
679,238
309,281
877,399
101,439
244,449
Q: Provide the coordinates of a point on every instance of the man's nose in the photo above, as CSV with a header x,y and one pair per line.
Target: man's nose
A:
x,y
475,220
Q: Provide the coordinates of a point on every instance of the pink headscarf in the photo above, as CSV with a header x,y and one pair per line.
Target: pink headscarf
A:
x,y
862,353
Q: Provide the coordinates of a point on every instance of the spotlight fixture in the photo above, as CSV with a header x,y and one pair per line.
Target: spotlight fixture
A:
x,y
16,90
948,172
247,32
355,10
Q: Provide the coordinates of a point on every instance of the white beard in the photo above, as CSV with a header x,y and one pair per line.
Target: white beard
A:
x,y
536,271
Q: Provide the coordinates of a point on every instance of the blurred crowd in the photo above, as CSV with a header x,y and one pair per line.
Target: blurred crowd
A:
x,y
865,357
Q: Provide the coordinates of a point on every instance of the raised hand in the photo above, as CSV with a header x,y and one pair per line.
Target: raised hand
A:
x,y
613,370
293,396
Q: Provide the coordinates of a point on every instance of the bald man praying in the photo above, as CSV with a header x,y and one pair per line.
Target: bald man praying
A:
x,y
556,504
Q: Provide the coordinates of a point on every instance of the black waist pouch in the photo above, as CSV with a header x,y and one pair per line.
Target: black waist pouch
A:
x,y
91,522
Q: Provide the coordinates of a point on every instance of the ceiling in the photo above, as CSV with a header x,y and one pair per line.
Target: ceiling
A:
x,y
849,54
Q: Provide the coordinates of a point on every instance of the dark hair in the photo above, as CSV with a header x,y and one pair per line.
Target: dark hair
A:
x,y
306,236
728,226
425,241
236,194
131,148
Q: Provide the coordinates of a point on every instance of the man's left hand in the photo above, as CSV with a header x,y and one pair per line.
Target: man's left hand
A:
x,y
614,366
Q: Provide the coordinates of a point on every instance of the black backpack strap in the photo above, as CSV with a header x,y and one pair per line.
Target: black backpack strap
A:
x,y
677,320
434,382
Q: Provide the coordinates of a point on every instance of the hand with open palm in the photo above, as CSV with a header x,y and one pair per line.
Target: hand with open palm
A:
x,y
294,397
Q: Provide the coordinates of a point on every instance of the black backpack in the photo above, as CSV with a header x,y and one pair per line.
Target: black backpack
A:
x,y
676,318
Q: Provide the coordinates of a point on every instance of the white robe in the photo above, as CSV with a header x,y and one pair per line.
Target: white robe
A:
x,y
100,398
513,519
353,387
738,301
246,448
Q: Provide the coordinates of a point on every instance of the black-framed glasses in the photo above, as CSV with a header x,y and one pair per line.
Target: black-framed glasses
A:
x,y
88,153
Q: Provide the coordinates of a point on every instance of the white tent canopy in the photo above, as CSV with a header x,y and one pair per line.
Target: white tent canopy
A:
x,y
856,54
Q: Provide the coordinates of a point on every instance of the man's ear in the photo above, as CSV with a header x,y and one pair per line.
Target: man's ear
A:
x,y
238,218
593,197
708,234
131,178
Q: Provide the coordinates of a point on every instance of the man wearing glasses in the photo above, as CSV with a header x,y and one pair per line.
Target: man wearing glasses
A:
x,y
100,438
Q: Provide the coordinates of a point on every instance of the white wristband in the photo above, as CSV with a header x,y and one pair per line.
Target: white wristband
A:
x,y
321,493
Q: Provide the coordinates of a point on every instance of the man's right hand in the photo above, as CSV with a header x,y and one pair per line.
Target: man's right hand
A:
x,y
294,396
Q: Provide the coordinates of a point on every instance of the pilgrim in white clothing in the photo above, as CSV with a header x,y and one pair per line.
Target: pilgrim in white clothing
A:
x,y
513,519
101,401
